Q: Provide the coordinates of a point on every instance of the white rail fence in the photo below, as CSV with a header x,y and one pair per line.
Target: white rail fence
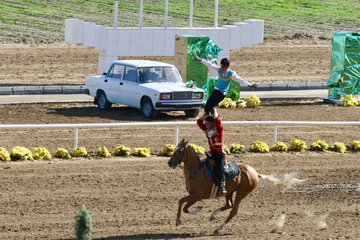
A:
x,y
176,124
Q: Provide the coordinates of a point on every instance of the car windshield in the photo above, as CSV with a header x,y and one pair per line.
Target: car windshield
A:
x,y
158,74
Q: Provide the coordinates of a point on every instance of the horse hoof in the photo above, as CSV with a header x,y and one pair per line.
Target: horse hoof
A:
x,y
212,217
178,222
217,232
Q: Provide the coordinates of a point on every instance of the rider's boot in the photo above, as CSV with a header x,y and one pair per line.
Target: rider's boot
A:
x,y
223,192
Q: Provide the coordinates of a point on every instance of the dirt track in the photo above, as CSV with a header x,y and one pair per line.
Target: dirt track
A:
x,y
136,198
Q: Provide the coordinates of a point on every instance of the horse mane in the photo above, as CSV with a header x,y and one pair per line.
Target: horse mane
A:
x,y
193,152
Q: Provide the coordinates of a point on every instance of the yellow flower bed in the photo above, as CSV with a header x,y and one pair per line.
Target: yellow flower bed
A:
x,y
4,155
80,152
41,153
142,152
279,146
356,145
338,147
297,145
237,148
259,146
122,151
103,152
168,150
22,153
227,103
198,150
319,145
62,153
348,101
252,101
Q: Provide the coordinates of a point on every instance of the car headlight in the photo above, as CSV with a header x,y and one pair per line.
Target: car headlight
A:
x,y
165,96
198,95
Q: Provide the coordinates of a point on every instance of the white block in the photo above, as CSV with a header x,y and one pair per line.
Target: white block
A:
x,y
147,36
224,40
213,34
100,37
104,60
246,33
124,42
112,39
182,31
235,36
89,34
159,42
169,42
202,31
74,31
258,30
135,42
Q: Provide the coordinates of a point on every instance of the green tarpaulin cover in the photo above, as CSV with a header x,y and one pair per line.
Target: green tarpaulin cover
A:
x,y
345,65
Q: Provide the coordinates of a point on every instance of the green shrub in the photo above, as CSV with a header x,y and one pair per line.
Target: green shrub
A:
x,y
83,225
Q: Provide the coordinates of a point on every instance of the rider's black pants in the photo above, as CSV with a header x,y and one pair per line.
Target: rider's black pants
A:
x,y
219,159
213,100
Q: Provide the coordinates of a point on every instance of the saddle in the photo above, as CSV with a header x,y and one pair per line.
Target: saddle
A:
x,y
231,170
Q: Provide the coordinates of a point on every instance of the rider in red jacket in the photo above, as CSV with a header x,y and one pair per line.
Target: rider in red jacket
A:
x,y
214,131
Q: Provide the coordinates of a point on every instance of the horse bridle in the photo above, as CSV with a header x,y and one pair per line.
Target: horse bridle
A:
x,y
177,164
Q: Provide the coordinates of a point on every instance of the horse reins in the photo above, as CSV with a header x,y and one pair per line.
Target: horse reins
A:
x,y
180,160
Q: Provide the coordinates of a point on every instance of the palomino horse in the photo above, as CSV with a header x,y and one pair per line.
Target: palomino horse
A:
x,y
200,187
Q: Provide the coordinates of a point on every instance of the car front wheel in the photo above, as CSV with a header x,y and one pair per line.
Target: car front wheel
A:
x,y
102,102
192,113
148,109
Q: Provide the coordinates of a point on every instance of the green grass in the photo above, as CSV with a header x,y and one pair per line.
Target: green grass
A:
x,y
47,18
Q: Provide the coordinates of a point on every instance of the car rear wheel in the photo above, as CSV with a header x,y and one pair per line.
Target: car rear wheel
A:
x,y
192,113
148,109
102,102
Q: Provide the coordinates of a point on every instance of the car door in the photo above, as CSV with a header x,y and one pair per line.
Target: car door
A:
x,y
129,86
113,83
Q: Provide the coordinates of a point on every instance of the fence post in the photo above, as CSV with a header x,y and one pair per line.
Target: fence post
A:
x,y
76,137
176,135
275,133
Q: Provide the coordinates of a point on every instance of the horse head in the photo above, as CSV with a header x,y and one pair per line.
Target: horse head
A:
x,y
179,154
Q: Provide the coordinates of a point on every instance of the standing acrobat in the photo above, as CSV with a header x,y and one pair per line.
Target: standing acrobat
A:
x,y
214,131
225,75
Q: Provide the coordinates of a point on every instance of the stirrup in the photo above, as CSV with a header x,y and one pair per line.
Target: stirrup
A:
x,y
223,192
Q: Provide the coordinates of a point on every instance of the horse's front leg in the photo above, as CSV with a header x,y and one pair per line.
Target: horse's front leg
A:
x,y
191,199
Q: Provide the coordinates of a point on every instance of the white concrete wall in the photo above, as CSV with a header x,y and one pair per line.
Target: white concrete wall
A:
x,y
111,42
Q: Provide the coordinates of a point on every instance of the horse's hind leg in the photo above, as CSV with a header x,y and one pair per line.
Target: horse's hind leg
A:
x,y
229,204
238,198
192,198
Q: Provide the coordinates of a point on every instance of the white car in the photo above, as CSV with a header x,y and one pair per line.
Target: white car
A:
x,y
148,85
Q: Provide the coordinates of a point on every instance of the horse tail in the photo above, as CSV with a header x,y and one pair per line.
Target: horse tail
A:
x,y
287,181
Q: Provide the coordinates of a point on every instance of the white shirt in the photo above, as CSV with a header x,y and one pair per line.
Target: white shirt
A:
x,y
235,77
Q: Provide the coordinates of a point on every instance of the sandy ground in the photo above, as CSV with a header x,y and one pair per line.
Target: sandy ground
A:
x,y
282,61
137,198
